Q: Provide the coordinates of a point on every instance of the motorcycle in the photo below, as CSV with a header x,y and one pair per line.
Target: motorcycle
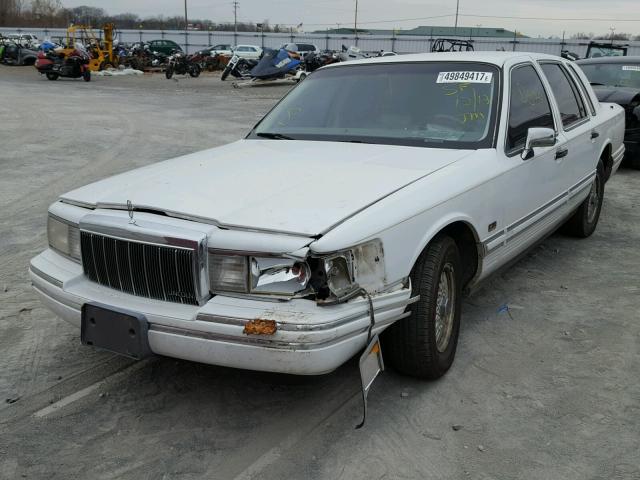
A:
x,y
208,62
181,64
313,61
238,67
351,53
54,65
140,57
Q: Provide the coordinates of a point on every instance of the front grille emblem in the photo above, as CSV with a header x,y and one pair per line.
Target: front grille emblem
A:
x,y
130,209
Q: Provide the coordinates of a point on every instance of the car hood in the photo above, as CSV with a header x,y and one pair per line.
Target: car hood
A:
x,y
299,187
620,95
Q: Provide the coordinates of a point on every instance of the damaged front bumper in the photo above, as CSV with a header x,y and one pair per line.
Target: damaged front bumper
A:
x,y
308,339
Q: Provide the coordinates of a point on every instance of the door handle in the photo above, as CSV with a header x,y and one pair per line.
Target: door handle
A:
x,y
594,135
561,153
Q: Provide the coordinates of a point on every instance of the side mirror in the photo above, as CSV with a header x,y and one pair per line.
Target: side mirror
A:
x,y
538,137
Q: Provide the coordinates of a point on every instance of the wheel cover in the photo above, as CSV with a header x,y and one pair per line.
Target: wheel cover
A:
x,y
445,307
593,200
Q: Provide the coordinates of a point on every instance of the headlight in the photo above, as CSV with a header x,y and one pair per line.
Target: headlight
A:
x,y
340,276
331,278
228,273
258,275
278,276
64,237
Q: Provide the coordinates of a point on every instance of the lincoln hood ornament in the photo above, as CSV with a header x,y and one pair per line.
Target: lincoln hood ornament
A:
x,y
130,209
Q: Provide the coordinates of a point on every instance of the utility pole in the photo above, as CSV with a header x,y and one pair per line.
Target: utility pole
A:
x,y
355,24
613,29
186,28
236,5
457,10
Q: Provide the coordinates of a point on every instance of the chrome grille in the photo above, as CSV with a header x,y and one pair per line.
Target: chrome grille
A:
x,y
142,269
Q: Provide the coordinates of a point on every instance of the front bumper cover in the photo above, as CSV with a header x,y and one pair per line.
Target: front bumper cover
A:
x,y
309,339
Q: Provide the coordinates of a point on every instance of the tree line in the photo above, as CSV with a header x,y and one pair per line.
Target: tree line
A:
x,y
52,14
605,36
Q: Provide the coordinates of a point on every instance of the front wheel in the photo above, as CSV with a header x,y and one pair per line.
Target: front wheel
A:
x,y
584,221
168,72
424,344
194,71
52,76
225,73
86,75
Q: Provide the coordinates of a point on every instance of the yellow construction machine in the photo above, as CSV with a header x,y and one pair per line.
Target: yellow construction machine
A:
x,y
101,50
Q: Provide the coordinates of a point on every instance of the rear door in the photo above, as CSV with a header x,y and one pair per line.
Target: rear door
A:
x,y
575,152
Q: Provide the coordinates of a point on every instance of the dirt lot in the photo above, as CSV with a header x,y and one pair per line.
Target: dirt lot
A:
x,y
546,390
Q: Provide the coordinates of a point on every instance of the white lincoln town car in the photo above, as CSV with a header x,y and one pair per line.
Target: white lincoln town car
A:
x,y
368,200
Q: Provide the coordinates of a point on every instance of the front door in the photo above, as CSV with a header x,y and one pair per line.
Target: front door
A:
x,y
534,189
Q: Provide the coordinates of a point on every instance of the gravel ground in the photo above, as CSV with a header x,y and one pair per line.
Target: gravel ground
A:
x,y
546,390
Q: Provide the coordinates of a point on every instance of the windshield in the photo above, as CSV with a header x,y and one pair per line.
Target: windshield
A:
x,y
606,51
613,74
434,104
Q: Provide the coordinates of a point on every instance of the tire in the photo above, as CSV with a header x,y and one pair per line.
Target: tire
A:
x,y
52,76
194,71
585,219
168,73
86,75
421,345
225,73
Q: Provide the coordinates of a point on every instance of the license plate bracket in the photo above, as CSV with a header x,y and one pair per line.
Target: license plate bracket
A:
x,y
115,330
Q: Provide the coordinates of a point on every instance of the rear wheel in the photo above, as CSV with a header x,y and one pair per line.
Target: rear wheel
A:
x,y
584,221
86,75
52,76
424,344
168,72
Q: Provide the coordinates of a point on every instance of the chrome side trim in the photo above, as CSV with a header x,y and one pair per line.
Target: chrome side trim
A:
x,y
571,192
539,210
619,154
581,185
39,273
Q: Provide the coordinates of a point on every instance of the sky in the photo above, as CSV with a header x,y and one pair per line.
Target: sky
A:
x,y
597,16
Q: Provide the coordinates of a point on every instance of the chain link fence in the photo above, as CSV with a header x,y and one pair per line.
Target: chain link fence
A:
x,y
194,40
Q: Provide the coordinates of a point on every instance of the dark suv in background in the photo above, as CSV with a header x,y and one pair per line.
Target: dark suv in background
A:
x,y
164,46
617,80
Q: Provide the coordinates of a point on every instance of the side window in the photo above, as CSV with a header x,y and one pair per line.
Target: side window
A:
x,y
528,106
569,101
584,90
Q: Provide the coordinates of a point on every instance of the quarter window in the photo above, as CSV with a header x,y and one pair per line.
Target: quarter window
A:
x,y
528,106
569,101
585,93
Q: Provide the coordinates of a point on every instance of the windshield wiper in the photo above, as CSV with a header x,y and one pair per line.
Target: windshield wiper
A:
x,y
596,83
273,136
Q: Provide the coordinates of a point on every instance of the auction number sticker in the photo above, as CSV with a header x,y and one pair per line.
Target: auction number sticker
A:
x,y
464,77
633,68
